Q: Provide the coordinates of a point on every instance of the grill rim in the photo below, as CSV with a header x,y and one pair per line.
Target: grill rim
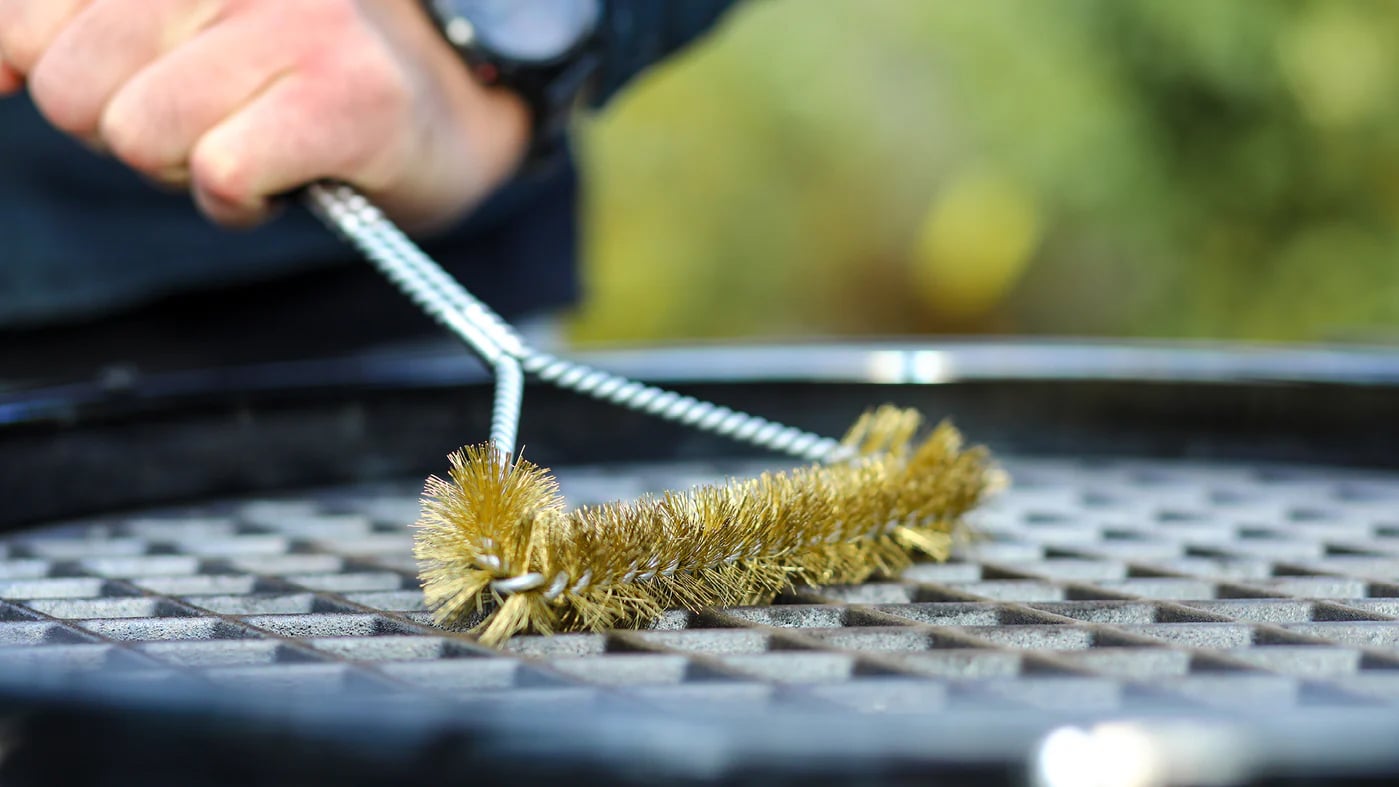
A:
x,y
930,361
204,433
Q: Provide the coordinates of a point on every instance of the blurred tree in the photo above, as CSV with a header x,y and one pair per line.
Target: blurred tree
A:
x,y
1155,167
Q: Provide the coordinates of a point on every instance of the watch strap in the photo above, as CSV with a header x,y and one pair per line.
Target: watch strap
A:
x,y
551,92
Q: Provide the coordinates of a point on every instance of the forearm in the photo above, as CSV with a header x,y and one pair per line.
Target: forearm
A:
x,y
244,101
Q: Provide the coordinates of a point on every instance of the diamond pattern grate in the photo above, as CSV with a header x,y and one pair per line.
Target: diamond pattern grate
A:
x,y
1096,586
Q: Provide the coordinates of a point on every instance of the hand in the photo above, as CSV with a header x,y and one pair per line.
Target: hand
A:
x,y
243,100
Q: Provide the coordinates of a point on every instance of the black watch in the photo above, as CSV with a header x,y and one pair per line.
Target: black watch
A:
x,y
544,50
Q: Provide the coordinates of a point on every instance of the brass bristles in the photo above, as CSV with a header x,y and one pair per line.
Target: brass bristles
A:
x,y
497,541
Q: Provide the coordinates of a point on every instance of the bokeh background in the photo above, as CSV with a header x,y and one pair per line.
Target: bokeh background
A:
x,y
1171,168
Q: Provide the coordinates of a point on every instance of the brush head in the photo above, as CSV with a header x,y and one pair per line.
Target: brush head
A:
x,y
497,545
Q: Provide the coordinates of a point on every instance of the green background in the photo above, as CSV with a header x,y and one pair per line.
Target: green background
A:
x,y
1173,168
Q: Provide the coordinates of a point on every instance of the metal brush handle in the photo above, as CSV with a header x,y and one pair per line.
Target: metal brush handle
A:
x,y
353,217
356,219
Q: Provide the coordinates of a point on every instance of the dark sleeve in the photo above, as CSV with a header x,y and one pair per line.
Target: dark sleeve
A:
x,y
637,33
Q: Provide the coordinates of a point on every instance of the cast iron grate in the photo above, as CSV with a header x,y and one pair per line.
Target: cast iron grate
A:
x,y
1099,585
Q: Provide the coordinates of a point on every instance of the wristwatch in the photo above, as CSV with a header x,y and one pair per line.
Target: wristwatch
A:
x,y
545,50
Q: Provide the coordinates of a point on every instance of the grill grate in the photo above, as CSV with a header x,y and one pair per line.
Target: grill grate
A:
x,y
1098,585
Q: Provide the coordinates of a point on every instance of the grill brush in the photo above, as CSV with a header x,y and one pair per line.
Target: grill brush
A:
x,y
496,545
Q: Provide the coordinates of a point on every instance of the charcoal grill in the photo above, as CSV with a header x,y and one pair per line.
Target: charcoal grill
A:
x,y
1198,564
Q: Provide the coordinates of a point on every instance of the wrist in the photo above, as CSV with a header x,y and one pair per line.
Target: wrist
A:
x,y
494,119
544,51
472,137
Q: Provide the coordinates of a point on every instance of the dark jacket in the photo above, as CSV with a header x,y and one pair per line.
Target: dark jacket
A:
x,y
84,239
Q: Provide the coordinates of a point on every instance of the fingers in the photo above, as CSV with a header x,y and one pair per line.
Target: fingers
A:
x,y
285,138
304,127
28,27
225,182
154,120
244,100
101,48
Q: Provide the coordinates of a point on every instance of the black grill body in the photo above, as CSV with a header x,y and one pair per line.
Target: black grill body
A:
x,y
239,584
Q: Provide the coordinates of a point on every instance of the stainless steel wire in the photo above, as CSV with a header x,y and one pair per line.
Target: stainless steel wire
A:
x,y
352,216
355,219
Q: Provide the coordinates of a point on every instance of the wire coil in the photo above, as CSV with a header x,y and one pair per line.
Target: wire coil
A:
x,y
352,216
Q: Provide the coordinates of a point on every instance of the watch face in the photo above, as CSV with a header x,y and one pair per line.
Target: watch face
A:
x,y
532,31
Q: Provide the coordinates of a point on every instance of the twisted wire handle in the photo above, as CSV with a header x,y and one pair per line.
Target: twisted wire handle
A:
x,y
396,256
356,220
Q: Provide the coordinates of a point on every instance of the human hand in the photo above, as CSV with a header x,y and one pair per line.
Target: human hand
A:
x,y
243,100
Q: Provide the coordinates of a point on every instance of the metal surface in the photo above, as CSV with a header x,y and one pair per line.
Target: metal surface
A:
x,y
1099,586
960,360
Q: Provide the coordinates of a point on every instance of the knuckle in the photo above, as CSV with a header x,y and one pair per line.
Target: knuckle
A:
x,y
128,139
220,212
58,102
19,50
138,126
65,110
22,40
222,175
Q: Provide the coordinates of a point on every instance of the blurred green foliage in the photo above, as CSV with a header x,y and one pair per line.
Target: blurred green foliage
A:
x,y
1195,168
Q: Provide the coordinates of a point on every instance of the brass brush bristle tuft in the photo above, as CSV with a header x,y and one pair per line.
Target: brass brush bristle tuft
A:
x,y
497,541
